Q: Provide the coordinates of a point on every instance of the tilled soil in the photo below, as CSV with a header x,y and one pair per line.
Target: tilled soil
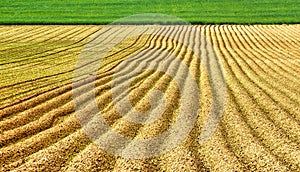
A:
x,y
42,129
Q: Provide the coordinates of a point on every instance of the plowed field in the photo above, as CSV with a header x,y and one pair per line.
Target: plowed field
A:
x,y
260,124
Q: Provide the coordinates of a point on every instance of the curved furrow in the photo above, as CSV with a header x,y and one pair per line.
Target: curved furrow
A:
x,y
280,61
58,101
281,41
244,143
72,70
282,37
59,111
44,46
37,56
39,100
292,29
9,30
287,33
129,70
43,123
30,145
259,129
290,101
105,101
277,91
34,113
191,157
259,81
145,59
94,62
157,129
190,150
242,140
26,32
284,28
84,160
121,126
44,36
266,64
159,82
134,62
281,116
11,117
87,159
113,54
240,67
65,46
289,57
270,137
215,154
106,97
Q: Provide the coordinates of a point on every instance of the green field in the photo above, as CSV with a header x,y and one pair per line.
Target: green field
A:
x,y
107,11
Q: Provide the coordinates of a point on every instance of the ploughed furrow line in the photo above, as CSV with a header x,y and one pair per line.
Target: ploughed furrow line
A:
x,y
62,111
215,154
161,124
48,123
49,67
32,54
276,43
15,74
259,79
109,62
290,54
285,57
42,154
21,32
285,40
9,29
37,52
275,69
46,41
288,33
287,91
268,132
55,134
241,140
36,121
34,108
48,34
124,164
34,34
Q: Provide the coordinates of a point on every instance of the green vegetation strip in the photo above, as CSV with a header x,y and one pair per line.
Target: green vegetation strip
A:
x,y
107,11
